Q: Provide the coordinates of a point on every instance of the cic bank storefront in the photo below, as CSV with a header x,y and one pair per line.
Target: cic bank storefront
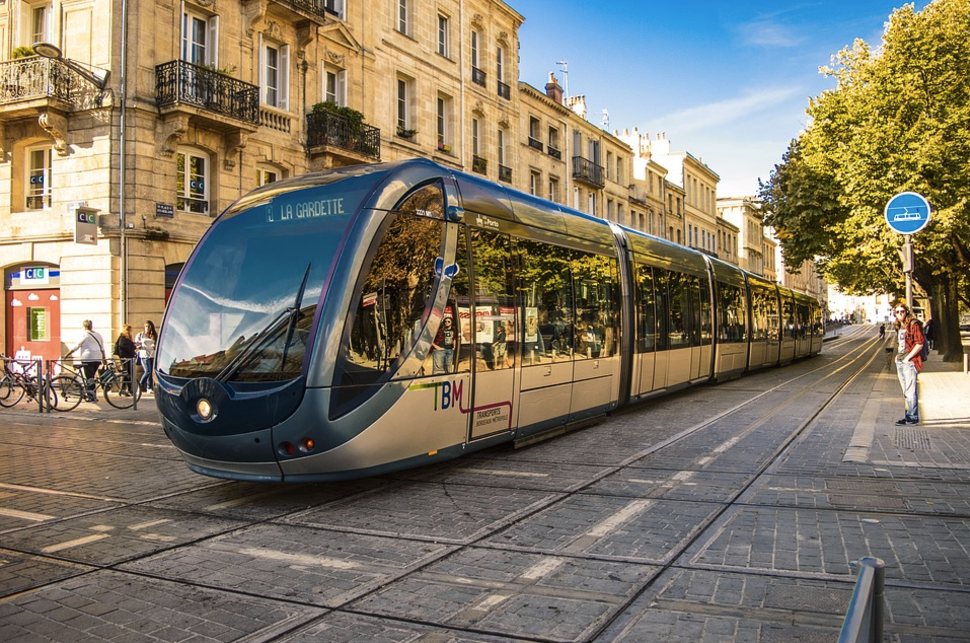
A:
x,y
33,311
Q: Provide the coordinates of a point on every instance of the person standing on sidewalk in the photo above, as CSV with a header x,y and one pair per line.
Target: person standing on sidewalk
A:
x,y
91,348
145,341
908,360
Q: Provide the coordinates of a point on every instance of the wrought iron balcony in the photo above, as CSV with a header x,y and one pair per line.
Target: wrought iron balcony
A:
x,y
535,143
504,173
34,78
588,172
326,129
316,10
504,91
479,165
478,76
181,83
553,152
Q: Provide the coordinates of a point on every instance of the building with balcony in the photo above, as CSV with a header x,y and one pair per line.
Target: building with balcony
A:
x,y
148,132
744,214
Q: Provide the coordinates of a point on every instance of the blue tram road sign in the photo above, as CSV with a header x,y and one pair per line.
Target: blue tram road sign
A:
x,y
907,213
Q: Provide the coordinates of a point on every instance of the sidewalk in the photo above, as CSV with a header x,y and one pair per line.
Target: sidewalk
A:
x,y
944,392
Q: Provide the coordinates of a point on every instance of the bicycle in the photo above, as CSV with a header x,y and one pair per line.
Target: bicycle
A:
x,y
72,387
19,381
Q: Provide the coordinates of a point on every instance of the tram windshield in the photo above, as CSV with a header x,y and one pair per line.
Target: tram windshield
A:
x,y
245,303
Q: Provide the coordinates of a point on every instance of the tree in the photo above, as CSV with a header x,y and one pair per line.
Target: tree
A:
x,y
897,121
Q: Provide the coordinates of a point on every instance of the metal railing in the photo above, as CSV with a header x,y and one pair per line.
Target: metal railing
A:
x,y
327,128
60,384
35,77
478,76
504,90
181,82
863,619
588,172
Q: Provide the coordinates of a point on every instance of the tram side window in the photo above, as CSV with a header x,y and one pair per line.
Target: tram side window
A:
x,y
679,289
759,315
647,318
789,318
771,312
395,298
547,301
596,294
492,332
732,313
706,325
663,308
802,322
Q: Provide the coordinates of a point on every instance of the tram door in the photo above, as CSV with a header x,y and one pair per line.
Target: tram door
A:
x,y
491,332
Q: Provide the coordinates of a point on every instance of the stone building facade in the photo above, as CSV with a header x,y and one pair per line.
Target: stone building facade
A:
x,y
121,145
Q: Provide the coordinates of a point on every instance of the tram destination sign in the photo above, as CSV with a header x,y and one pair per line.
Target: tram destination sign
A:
x,y
907,213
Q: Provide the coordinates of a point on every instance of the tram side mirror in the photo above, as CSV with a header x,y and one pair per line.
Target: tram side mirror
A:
x,y
454,213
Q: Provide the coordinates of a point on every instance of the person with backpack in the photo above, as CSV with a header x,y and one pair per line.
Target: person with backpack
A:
x,y
909,360
91,349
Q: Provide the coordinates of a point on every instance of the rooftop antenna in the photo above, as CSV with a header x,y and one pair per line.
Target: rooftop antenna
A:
x,y
606,118
564,68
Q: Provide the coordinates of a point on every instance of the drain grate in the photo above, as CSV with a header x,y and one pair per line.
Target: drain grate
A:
x,y
912,439
874,501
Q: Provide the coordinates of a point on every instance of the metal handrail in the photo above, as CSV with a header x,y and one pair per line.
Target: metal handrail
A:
x,y
863,618
181,82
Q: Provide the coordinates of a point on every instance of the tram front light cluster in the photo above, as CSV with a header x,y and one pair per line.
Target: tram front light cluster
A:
x,y
305,445
205,410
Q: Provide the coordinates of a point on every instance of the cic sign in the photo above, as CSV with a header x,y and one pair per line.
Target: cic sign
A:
x,y
86,226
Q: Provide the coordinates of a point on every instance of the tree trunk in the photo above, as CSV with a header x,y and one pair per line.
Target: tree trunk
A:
x,y
945,308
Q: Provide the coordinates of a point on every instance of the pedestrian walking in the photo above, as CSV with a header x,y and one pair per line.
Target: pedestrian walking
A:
x,y
92,355
145,341
908,361
125,350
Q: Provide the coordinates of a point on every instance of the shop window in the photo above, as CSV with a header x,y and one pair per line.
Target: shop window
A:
x,y
192,182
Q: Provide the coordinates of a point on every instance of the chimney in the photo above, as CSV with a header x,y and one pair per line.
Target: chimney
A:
x,y
553,90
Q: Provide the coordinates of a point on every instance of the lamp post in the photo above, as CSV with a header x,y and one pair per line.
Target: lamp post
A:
x,y
97,78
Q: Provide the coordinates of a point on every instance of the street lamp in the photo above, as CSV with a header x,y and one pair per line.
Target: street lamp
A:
x,y
46,50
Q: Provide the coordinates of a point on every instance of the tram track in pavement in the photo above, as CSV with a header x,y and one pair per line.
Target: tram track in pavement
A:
x,y
841,371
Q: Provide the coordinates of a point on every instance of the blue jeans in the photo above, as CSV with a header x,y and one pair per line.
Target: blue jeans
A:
x,y
145,383
906,371
443,361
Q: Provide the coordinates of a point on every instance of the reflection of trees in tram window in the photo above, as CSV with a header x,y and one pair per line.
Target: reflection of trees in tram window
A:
x,y
646,313
570,297
492,333
732,314
395,298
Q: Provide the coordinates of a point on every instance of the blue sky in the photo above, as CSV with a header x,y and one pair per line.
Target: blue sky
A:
x,y
726,81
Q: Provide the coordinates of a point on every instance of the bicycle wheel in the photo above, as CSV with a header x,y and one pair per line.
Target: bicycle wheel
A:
x,y
10,391
68,392
112,386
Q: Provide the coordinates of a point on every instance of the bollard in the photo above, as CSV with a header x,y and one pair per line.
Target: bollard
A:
x,y
863,618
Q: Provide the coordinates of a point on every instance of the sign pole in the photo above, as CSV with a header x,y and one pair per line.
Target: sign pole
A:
x,y
908,267
907,213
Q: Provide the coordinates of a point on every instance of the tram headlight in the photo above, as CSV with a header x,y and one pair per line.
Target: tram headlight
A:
x,y
205,410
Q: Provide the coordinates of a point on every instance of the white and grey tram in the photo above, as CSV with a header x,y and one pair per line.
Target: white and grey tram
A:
x,y
374,318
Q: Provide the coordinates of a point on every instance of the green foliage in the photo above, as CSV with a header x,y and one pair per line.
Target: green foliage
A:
x,y
353,117
23,51
897,121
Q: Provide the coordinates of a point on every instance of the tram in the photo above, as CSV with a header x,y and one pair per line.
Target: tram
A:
x,y
368,319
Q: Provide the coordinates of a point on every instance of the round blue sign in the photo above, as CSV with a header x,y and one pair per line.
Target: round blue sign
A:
x,y
907,213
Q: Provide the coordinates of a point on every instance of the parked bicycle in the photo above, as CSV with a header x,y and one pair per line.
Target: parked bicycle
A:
x,y
113,378
19,381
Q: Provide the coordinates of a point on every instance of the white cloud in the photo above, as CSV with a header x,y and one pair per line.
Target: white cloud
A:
x,y
726,111
764,32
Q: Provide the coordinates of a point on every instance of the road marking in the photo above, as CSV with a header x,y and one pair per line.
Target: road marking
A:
x,y
624,515
244,500
54,492
298,559
77,542
499,472
542,569
25,515
146,525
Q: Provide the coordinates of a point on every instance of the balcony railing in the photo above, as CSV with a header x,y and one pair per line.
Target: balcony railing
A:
x,y
535,143
504,174
479,165
553,152
329,129
317,8
478,76
35,77
180,82
588,172
504,91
